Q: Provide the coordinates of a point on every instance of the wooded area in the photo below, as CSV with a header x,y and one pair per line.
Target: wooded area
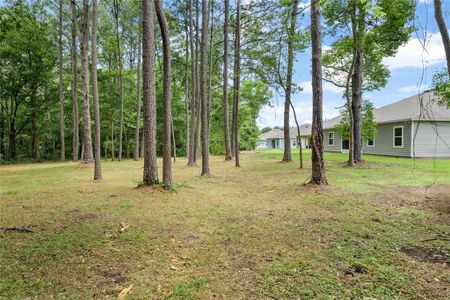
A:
x,y
132,165
186,92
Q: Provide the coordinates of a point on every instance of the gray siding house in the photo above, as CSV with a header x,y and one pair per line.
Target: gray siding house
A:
x,y
412,127
274,139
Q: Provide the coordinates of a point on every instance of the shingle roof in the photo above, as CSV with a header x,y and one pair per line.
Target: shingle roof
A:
x,y
418,107
305,130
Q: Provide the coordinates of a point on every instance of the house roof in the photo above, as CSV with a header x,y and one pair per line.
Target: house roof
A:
x,y
305,130
419,107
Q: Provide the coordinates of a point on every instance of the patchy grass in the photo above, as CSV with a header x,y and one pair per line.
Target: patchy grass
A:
x,y
380,230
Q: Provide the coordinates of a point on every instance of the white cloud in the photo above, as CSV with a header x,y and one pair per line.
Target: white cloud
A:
x,y
413,55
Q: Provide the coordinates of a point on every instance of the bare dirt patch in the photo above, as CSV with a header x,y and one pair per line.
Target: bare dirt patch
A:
x,y
430,255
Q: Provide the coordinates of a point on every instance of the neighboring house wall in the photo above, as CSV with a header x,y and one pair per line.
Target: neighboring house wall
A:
x,y
384,141
337,145
431,139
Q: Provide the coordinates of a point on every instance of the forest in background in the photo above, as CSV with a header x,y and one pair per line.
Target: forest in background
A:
x,y
121,79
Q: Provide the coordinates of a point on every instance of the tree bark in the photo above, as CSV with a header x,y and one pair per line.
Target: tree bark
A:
x,y
167,163
318,169
138,100
197,84
287,156
236,83
443,30
203,99
34,130
87,139
226,121
150,176
97,139
74,84
192,156
119,58
61,83
357,81
186,90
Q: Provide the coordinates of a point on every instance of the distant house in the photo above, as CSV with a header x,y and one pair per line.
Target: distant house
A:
x,y
412,127
274,139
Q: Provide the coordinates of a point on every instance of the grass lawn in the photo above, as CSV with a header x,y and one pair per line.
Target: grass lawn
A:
x,y
380,230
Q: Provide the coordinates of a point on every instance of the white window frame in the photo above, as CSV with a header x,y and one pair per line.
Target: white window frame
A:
x,y
371,146
328,138
402,136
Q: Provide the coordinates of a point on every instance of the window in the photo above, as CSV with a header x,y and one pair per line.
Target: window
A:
x,y
371,143
331,139
398,137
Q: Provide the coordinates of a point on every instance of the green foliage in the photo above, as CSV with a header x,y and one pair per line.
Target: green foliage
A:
x,y
441,84
384,26
368,125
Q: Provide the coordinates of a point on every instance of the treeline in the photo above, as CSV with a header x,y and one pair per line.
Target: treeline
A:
x,y
141,78
29,80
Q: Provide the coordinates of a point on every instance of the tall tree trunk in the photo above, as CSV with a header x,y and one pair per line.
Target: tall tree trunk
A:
x,y
167,163
61,83
287,156
225,83
150,176
197,84
204,103
119,58
97,147
318,169
12,139
74,84
174,143
299,138
192,156
138,100
210,67
443,30
236,83
357,81
87,139
34,130
186,90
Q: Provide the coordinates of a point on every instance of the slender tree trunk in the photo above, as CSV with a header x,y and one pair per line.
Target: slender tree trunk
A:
x,y
138,100
357,81
167,163
236,83
119,58
97,139
174,144
12,139
210,68
299,139
318,169
204,103
87,139
197,85
443,30
61,83
225,83
192,156
150,176
34,130
287,156
186,91
74,84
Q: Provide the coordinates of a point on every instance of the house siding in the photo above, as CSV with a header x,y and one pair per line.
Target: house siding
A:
x,y
432,139
337,146
384,141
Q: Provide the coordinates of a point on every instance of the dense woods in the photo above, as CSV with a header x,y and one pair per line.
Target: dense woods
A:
x,y
207,68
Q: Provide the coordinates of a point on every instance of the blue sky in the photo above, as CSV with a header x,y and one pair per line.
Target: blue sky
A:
x,y
406,73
